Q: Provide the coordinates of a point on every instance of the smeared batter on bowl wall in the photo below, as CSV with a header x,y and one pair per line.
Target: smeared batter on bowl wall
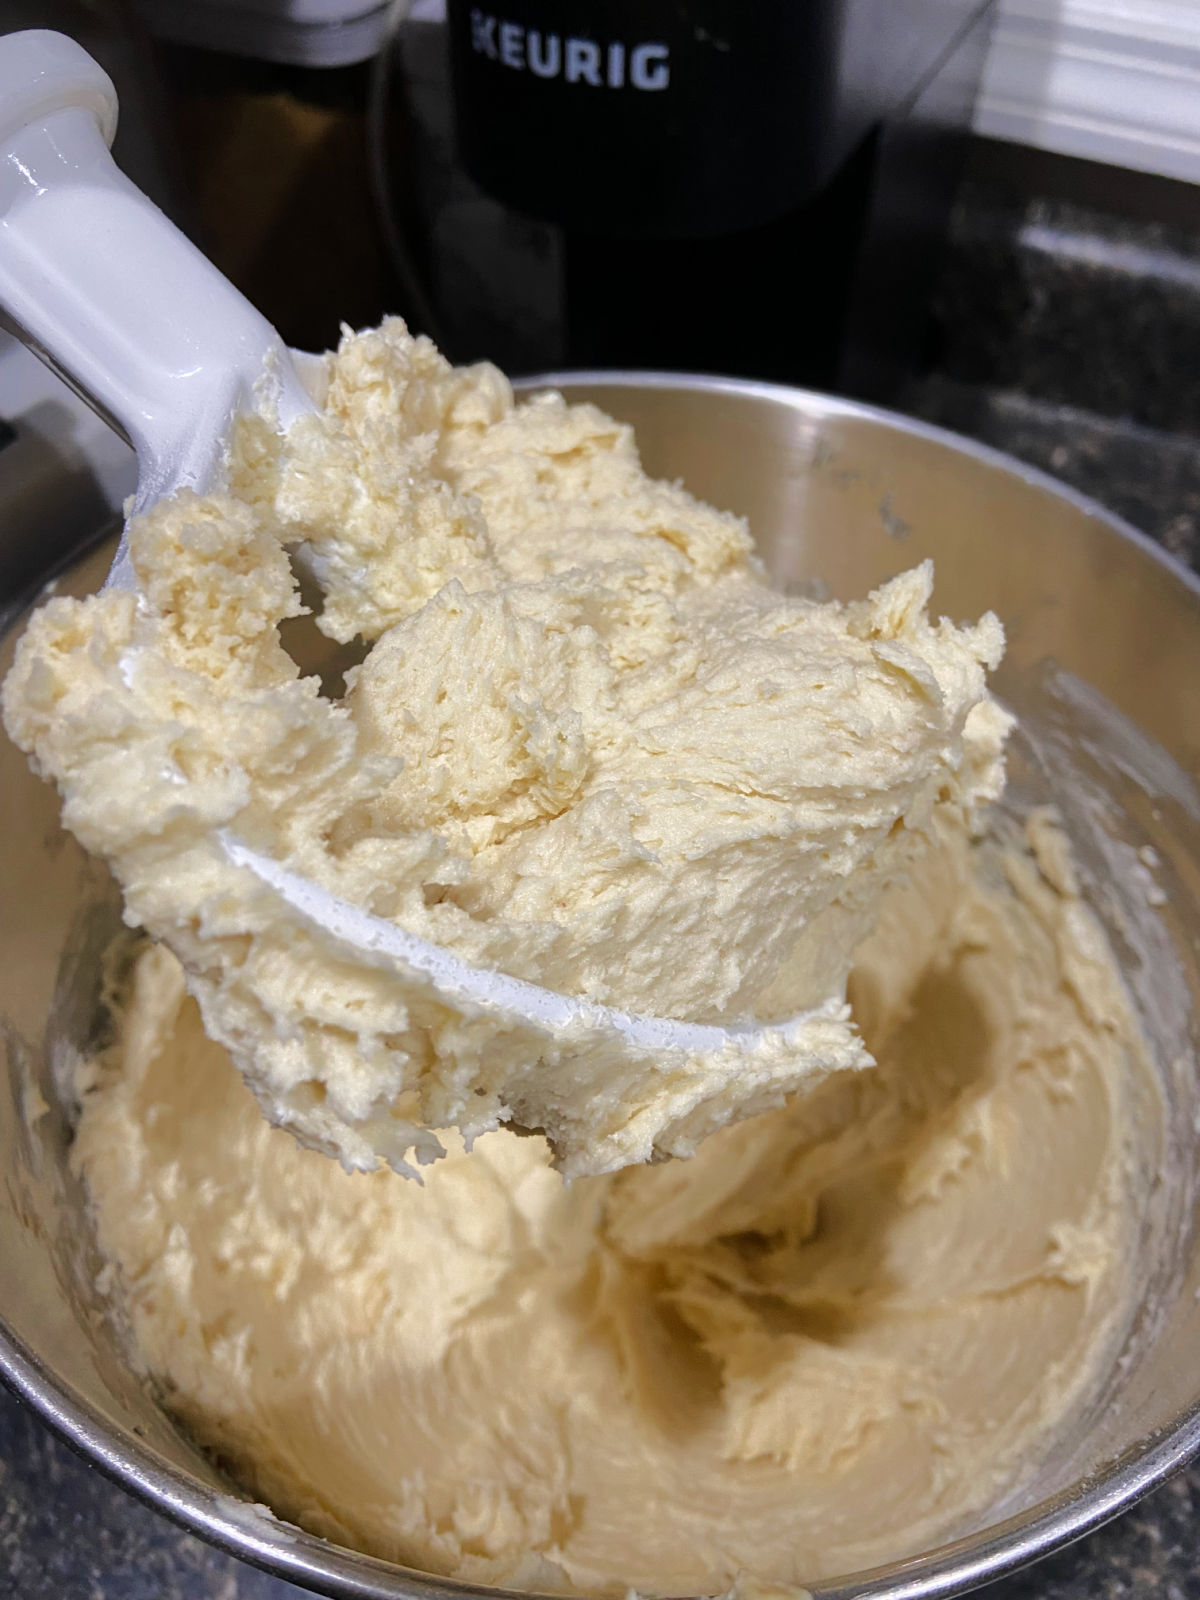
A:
x,y
836,1334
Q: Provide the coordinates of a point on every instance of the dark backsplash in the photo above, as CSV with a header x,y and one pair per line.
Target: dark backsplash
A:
x,y
1067,331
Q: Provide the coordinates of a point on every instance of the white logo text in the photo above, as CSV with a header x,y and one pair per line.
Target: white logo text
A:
x,y
549,55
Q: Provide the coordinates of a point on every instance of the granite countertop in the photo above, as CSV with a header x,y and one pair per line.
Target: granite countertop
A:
x,y
1071,340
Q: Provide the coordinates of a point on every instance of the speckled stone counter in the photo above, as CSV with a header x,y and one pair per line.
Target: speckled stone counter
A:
x,y
1070,337
1069,344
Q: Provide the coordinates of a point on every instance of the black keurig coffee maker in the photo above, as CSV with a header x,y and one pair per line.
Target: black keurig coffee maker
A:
x,y
755,187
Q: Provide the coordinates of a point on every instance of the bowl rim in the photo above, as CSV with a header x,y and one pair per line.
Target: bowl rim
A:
x,y
252,1533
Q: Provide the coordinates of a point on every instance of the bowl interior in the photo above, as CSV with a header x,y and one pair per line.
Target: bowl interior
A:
x,y
1103,635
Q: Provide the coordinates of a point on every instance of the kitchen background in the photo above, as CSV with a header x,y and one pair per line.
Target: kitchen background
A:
x,y
1039,165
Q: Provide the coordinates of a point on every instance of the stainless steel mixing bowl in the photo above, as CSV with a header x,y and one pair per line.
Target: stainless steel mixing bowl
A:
x,y
1104,643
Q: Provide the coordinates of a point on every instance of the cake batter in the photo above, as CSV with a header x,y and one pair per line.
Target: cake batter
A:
x,y
590,747
588,734
829,1339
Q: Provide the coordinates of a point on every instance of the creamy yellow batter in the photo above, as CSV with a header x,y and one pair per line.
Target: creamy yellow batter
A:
x,y
591,748
589,738
827,1340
